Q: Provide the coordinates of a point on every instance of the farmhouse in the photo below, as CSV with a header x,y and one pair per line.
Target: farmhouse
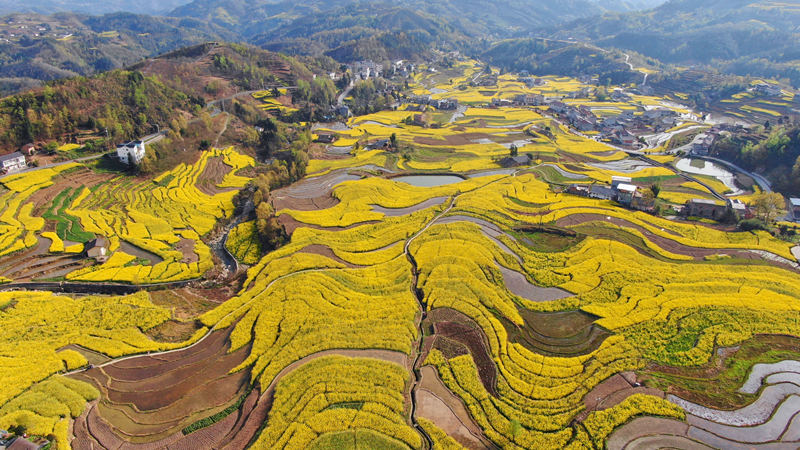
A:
x,y
515,161
28,149
13,162
739,208
326,138
769,90
529,99
97,249
617,180
626,193
795,207
131,152
708,209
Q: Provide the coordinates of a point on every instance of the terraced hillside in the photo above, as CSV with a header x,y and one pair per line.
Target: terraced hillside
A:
x,y
429,295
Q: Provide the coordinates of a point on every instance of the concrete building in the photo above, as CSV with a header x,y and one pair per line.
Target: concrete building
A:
x,y
131,152
13,162
626,193
795,208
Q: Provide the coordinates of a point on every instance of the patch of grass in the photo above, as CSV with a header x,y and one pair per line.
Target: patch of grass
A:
x,y
211,420
547,240
68,227
347,405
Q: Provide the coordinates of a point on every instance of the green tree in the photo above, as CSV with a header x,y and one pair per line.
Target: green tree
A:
x,y
768,206
655,188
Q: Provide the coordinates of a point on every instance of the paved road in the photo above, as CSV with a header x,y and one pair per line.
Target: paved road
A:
x,y
344,94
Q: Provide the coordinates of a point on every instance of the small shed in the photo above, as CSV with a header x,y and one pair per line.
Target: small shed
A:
x,y
98,249
28,149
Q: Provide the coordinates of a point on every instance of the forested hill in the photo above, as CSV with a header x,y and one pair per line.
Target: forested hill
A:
x,y
89,6
64,45
263,17
167,91
746,37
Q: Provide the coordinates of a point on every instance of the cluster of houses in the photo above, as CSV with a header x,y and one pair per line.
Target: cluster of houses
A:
x,y
447,104
9,441
365,70
627,194
621,190
403,68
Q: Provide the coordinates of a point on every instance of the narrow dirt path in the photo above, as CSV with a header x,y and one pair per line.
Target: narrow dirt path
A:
x,y
224,129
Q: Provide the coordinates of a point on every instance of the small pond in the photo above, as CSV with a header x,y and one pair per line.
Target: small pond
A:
x,y
429,180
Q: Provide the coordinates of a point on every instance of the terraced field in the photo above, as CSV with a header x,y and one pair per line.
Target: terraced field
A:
x,y
467,306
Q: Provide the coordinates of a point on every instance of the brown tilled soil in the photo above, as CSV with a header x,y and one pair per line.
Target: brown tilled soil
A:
x,y
612,392
43,198
455,334
213,175
290,224
184,303
436,403
186,247
148,398
324,250
304,204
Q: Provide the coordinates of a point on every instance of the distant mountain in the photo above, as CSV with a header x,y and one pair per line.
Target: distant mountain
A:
x,y
628,5
756,37
95,7
496,17
36,47
545,57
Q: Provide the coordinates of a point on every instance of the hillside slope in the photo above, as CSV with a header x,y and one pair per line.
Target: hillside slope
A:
x,y
63,45
739,36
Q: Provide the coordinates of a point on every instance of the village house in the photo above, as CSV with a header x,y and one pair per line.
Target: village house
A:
x,y
740,209
529,99
602,192
379,144
131,152
13,162
617,180
795,202
515,161
97,249
419,120
702,143
326,138
343,111
707,209
769,90
626,193
366,69
447,104
625,138
28,149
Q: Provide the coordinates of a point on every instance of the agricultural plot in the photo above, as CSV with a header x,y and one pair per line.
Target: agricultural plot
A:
x,y
154,228
522,365
67,330
468,305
